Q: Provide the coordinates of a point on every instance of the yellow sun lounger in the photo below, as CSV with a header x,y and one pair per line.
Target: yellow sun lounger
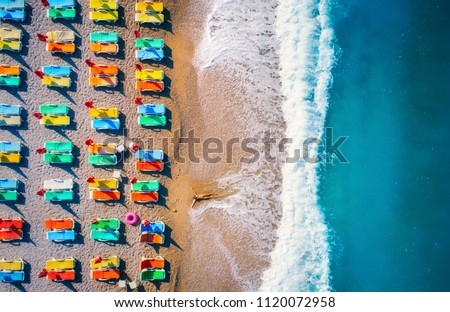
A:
x,y
150,6
9,70
11,265
111,262
104,4
103,81
60,264
104,112
147,74
104,184
10,34
9,158
10,45
103,15
55,120
102,149
149,17
10,120
61,82
107,48
61,36
55,47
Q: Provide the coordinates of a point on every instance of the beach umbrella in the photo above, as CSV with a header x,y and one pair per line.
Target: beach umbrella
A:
x,y
89,104
94,221
41,150
45,3
38,115
43,273
135,148
133,181
90,63
1,219
91,179
138,101
146,222
137,34
39,74
98,260
89,142
139,67
42,37
41,192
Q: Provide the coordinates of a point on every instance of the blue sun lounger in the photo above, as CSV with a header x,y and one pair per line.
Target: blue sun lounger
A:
x,y
12,4
60,71
106,124
6,109
157,227
151,54
61,236
148,155
10,147
15,15
12,276
152,109
61,3
9,184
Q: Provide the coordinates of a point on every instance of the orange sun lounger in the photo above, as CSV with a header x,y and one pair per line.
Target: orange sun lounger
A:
x,y
59,224
9,235
109,48
103,81
156,86
152,263
103,149
104,275
103,70
11,224
105,195
60,276
144,197
152,238
9,70
60,47
149,166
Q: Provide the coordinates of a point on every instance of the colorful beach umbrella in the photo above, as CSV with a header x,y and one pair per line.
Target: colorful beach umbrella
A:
x,y
89,104
90,63
42,273
42,37
98,260
45,3
137,34
41,192
94,221
38,115
135,148
39,73
91,179
133,181
138,67
89,142
138,101
41,150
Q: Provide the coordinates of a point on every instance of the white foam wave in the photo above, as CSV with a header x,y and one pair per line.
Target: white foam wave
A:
x,y
300,260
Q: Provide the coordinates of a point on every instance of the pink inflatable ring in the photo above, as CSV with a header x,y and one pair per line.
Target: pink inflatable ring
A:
x,y
131,218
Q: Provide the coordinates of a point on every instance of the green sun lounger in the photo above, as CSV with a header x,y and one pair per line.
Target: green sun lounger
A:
x,y
59,195
102,160
104,37
145,186
8,195
106,224
60,147
153,275
58,158
9,81
53,109
149,43
102,235
152,121
55,13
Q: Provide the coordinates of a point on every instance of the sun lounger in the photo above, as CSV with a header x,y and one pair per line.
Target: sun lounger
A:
x,y
59,147
10,235
106,224
104,16
153,275
53,109
106,124
9,158
56,47
59,224
9,184
55,13
10,45
57,196
103,70
58,158
101,195
155,86
9,81
61,236
107,48
149,18
152,109
104,236
149,166
58,82
103,149
150,54
61,276
9,70
10,147
60,264
66,36
106,81
12,4
145,186
111,262
60,71
152,263
104,37
8,196
156,227
10,34
149,6
104,4
152,121
11,265
58,184
104,184
61,3
15,15
105,274
10,121
102,160
149,155
147,74
144,197
149,43
6,109
104,112
55,121
11,224
12,276
152,238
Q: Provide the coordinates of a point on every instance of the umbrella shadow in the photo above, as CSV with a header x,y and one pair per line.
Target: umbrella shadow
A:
x,y
169,240
70,23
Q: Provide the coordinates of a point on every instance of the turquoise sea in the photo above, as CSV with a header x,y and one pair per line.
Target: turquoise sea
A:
x,y
388,209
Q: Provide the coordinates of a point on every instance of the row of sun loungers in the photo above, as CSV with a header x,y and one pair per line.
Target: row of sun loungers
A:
x,y
58,152
12,10
61,42
149,12
103,76
60,230
105,269
149,80
10,115
104,11
11,229
152,232
64,9
105,118
152,269
9,76
60,270
104,42
144,191
56,76
10,152
12,271
104,189
152,115
57,190
105,230
8,190
54,115
149,49
10,39
102,154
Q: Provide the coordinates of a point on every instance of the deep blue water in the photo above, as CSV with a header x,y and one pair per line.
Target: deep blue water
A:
x,y
388,209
